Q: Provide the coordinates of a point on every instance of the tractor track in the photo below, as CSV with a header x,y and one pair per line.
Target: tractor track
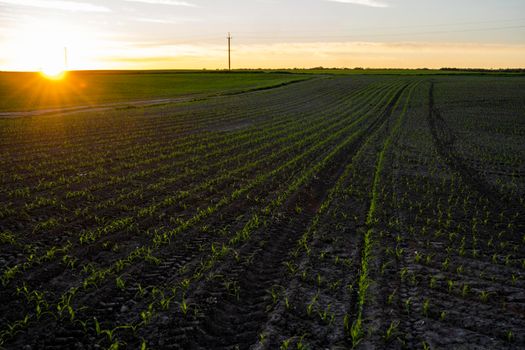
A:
x,y
444,139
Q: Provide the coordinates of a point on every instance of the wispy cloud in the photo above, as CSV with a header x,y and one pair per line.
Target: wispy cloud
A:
x,y
156,20
58,5
165,21
369,3
165,2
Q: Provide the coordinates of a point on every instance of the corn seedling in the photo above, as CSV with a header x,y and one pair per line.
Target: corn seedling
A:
x,y
391,330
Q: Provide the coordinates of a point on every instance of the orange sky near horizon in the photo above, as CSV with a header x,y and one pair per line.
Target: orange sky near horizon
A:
x,y
336,54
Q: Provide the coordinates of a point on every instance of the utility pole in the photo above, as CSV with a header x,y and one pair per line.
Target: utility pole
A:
x,y
229,51
65,58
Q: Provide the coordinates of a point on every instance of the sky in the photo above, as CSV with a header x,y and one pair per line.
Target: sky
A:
x,y
191,34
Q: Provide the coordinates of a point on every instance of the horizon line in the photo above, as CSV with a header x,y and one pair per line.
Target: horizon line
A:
x,y
273,69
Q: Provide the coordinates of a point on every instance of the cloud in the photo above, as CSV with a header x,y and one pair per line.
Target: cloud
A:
x,y
58,5
369,3
165,21
165,2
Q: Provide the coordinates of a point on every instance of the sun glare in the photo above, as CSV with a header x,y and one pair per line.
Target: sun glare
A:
x,y
53,73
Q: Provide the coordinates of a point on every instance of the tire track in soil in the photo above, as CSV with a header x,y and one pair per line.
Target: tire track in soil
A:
x,y
233,321
444,139
414,324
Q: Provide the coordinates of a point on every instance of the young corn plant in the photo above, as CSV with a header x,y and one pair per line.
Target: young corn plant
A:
x,y
327,316
391,296
391,331
426,307
121,284
356,332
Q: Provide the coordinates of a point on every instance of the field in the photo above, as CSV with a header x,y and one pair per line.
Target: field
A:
x,y
29,91
340,211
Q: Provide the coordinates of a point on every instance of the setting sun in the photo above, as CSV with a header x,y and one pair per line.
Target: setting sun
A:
x,y
53,73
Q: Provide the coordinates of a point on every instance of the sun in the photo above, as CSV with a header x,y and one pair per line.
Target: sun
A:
x,y
53,73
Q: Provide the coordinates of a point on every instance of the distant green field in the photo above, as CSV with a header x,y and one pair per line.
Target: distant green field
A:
x,y
29,91
415,72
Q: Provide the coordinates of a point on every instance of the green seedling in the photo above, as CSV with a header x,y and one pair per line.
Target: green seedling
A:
x,y
391,330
